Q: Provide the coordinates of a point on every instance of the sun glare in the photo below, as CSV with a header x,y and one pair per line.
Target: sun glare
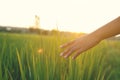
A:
x,y
68,15
40,50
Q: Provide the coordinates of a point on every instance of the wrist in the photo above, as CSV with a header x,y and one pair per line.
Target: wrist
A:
x,y
96,36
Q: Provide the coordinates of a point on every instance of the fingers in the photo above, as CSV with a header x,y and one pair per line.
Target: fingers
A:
x,y
67,44
81,50
78,46
68,52
77,53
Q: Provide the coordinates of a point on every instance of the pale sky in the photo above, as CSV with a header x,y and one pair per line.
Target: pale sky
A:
x,y
69,15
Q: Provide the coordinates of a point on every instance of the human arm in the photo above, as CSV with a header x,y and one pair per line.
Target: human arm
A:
x,y
108,30
88,41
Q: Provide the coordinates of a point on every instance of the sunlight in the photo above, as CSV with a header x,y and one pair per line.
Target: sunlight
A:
x,y
40,50
69,15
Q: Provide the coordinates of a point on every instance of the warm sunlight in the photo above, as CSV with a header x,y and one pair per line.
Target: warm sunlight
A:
x,y
40,50
68,15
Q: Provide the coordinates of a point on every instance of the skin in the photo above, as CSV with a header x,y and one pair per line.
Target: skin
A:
x,y
88,41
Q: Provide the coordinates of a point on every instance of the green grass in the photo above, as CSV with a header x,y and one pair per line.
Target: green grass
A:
x,y
20,59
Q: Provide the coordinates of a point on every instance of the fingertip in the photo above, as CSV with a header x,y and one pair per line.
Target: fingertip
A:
x,y
65,56
61,46
61,54
73,58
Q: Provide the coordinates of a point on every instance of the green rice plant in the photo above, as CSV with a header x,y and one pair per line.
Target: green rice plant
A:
x,y
36,57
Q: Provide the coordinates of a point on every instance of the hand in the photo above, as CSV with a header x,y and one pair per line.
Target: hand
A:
x,y
79,45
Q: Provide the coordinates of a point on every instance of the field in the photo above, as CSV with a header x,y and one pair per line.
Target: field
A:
x,y
35,57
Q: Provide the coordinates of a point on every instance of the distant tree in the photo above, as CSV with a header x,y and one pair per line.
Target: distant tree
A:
x,y
31,29
45,32
34,30
54,32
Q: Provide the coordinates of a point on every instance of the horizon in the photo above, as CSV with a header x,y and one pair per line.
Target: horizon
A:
x,y
68,15
38,28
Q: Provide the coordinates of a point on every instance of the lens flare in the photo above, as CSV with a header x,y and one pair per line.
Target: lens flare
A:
x,y
40,50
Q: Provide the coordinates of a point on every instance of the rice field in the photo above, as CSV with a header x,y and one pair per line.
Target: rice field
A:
x,y
36,57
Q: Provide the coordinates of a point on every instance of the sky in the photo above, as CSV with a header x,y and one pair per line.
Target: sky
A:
x,y
68,15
